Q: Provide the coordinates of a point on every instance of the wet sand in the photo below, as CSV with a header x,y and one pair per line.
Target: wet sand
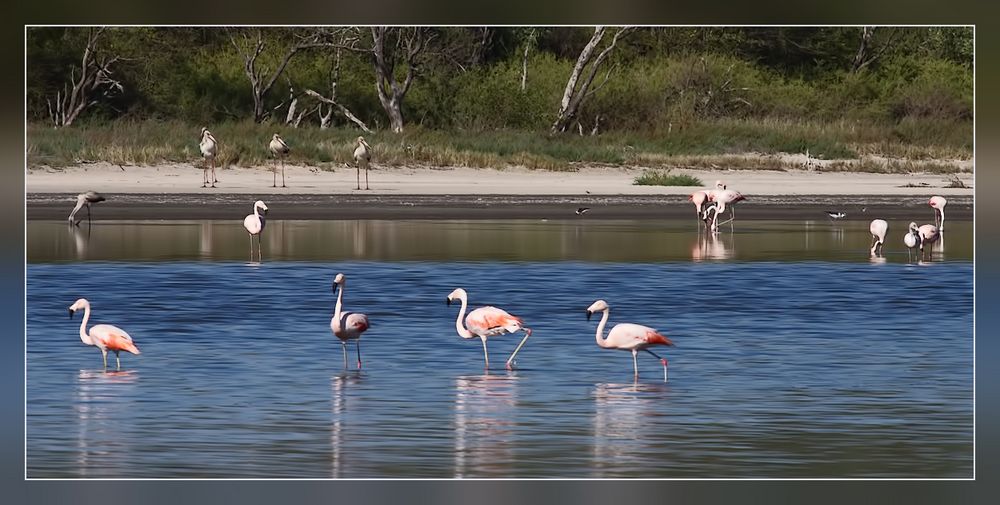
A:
x,y
196,206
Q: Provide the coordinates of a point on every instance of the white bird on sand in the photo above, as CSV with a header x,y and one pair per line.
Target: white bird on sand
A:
x,y
362,155
486,322
628,337
938,203
279,149
85,199
209,148
347,325
105,337
878,228
254,224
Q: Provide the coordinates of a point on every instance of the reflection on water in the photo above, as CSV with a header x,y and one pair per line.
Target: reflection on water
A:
x,y
674,240
625,422
102,435
484,426
340,398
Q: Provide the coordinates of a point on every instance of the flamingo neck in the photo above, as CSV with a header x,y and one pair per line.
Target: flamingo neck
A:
x,y
79,204
459,325
340,300
83,326
601,341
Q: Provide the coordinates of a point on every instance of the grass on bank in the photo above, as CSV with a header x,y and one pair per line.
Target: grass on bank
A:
x,y
717,144
665,178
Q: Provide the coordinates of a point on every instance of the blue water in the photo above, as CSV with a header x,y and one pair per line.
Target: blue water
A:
x,y
781,369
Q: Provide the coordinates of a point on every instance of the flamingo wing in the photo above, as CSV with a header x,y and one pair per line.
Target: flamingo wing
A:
x,y
491,321
113,338
636,336
356,321
253,223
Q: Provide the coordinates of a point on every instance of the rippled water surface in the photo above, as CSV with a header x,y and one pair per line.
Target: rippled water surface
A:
x,y
823,365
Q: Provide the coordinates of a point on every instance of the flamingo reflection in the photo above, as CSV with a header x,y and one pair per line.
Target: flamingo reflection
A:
x,y
623,415
339,385
102,434
484,425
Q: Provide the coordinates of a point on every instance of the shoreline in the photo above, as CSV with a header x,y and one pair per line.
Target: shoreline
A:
x,y
196,206
172,192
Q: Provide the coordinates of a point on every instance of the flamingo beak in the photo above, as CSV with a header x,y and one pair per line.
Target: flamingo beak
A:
x,y
589,313
71,313
448,301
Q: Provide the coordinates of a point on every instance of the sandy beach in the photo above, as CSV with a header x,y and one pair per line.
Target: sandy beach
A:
x,y
174,192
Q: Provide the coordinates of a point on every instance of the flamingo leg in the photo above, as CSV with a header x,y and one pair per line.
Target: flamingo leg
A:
x,y
510,360
214,178
274,175
366,176
635,365
662,361
486,354
104,353
251,247
118,361
259,252
359,353
357,172
204,176
343,343
283,173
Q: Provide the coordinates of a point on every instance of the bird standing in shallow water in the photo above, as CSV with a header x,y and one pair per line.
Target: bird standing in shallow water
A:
x,y
925,234
878,229
254,224
938,203
486,322
279,149
347,325
105,337
85,199
628,337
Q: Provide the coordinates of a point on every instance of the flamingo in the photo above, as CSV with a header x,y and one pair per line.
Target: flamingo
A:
x,y
347,325
279,149
911,239
713,210
362,153
724,197
698,198
486,322
938,203
925,234
254,224
628,337
85,199
209,148
105,337
878,228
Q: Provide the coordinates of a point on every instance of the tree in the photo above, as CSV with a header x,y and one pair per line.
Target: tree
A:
x,y
250,46
576,91
390,47
325,117
94,82
867,54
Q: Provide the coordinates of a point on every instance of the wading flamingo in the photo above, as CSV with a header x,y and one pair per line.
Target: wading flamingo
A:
x,y
362,155
254,224
698,198
209,148
279,149
105,337
878,228
85,199
938,203
925,234
486,322
724,197
911,239
347,325
628,337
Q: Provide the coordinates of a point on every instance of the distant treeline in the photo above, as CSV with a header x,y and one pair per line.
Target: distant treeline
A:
x,y
474,78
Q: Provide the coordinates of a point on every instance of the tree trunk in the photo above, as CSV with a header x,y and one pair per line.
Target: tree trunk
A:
x,y
95,77
409,41
574,95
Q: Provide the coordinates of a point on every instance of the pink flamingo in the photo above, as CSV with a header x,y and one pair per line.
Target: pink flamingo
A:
x,y
347,325
254,224
698,198
878,228
925,234
938,203
105,337
628,337
486,322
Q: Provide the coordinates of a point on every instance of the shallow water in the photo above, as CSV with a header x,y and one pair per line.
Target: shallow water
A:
x,y
812,368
